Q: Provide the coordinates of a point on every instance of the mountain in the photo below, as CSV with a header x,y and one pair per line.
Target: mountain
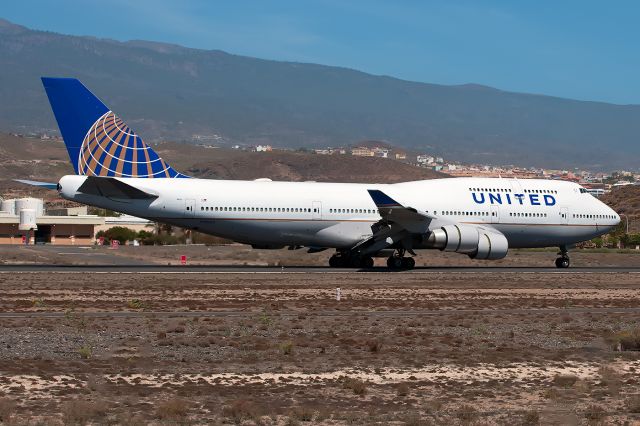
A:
x,y
172,92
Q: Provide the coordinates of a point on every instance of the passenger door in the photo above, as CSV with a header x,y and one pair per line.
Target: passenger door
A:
x,y
189,207
317,210
495,214
564,215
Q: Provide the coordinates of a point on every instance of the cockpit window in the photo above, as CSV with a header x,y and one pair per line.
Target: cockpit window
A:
x,y
583,191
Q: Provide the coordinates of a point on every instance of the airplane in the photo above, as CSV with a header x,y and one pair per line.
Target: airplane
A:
x,y
479,217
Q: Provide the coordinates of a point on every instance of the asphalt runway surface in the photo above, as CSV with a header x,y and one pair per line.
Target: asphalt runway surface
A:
x,y
238,269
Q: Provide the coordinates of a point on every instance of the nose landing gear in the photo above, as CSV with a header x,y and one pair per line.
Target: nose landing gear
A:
x,y
563,261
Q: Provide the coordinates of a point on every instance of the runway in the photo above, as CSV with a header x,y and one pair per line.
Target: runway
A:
x,y
240,269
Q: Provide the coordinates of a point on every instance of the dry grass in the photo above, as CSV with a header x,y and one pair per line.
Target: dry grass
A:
x,y
466,414
356,385
565,380
374,346
7,408
240,410
595,414
80,412
632,404
302,413
286,348
626,340
531,418
172,409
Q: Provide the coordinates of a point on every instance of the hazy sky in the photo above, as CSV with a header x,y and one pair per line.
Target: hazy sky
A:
x,y
577,49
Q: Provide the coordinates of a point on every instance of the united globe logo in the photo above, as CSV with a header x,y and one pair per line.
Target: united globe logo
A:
x,y
111,148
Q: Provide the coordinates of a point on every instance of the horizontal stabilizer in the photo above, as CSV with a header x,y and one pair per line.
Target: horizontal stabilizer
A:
x,y
113,188
45,185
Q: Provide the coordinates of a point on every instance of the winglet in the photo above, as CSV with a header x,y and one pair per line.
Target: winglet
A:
x,y
45,185
382,200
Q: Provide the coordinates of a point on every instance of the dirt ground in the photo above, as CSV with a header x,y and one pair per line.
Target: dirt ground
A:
x,y
237,254
278,348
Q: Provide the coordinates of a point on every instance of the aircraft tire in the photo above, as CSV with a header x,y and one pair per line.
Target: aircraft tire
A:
x,y
335,261
394,262
366,262
408,263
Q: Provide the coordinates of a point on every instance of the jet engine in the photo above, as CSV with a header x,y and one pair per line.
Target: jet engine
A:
x,y
478,243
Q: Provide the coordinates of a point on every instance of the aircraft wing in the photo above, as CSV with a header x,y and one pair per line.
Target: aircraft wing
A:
x,y
396,226
392,212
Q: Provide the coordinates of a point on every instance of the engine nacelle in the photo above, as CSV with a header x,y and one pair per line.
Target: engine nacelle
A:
x,y
476,242
491,246
458,238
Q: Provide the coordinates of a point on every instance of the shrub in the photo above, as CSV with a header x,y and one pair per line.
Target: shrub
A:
x,y
303,414
79,412
374,346
7,407
627,340
565,380
172,409
286,348
85,352
240,410
38,303
633,404
356,385
135,304
610,378
403,389
466,414
119,233
595,414
531,418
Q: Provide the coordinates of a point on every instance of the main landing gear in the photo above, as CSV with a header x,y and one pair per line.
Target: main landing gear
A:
x,y
563,261
398,261
344,260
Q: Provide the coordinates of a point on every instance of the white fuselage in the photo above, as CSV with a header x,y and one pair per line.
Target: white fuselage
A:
x,y
530,213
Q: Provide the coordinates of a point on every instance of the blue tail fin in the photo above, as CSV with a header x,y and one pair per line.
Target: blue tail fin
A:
x,y
99,143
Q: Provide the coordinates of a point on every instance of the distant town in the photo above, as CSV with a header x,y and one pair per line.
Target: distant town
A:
x,y
597,183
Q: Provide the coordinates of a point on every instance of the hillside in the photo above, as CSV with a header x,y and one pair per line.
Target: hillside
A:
x,y
626,201
26,158
171,92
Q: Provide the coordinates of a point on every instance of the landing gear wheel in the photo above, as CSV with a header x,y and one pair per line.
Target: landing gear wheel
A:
x,y
394,262
335,261
563,262
408,263
366,262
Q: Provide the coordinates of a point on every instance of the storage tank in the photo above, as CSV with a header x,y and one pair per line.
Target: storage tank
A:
x,y
30,203
9,206
27,220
